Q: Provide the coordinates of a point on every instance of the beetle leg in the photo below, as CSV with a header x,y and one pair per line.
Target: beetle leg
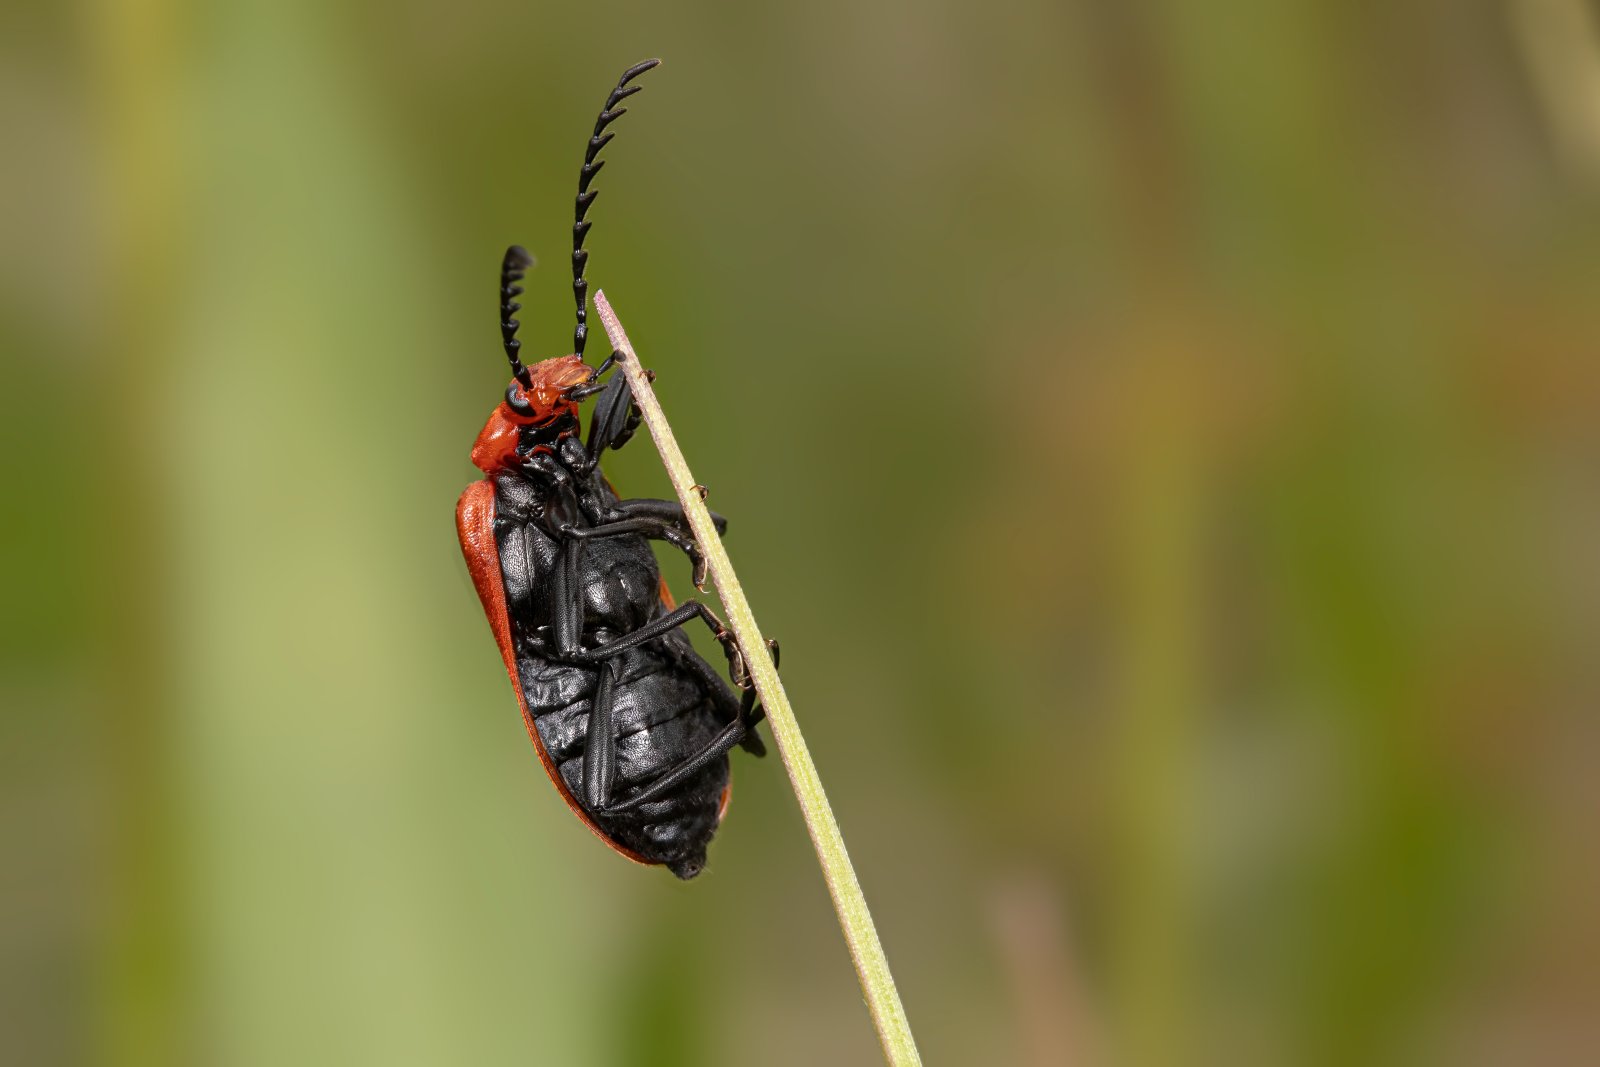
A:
x,y
664,510
635,417
593,384
674,527
688,610
600,743
718,747
567,594
543,468
609,424
646,527
741,673
741,731
560,499
615,418
566,609
749,711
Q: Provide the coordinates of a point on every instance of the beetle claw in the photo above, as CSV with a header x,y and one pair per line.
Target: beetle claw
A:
x,y
736,667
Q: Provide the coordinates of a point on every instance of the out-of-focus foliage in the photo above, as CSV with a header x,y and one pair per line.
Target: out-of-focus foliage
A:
x,y
1163,436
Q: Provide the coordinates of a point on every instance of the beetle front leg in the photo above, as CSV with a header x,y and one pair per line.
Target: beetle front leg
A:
x,y
593,384
615,415
560,498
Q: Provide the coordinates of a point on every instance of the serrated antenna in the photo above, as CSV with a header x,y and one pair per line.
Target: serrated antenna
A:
x,y
512,268
580,228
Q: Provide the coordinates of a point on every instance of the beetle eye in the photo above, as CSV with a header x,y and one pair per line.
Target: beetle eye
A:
x,y
516,401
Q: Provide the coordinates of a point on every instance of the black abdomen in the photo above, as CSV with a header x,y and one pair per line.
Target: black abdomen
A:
x,y
668,703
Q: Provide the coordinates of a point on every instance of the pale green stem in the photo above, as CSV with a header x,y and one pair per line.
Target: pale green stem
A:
x,y
883,1000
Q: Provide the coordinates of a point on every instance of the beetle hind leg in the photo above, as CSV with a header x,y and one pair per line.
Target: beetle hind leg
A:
x,y
715,749
600,742
741,732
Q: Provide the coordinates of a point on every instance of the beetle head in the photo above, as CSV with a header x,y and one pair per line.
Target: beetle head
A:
x,y
543,403
539,407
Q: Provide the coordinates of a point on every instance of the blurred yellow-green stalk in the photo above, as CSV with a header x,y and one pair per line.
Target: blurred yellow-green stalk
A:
x,y
1165,437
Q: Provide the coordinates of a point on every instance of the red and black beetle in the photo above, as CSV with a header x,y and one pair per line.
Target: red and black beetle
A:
x,y
630,723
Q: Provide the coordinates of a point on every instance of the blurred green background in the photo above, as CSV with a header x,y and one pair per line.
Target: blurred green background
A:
x,y
1164,437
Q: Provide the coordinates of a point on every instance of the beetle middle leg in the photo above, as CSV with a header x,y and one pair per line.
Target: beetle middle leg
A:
x,y
654,528
662,510
661,625
566,623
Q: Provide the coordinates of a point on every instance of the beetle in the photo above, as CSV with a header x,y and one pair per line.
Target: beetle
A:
x,y
632,725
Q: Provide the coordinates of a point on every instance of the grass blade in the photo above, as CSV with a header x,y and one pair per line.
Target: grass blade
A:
x,y
883,1000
